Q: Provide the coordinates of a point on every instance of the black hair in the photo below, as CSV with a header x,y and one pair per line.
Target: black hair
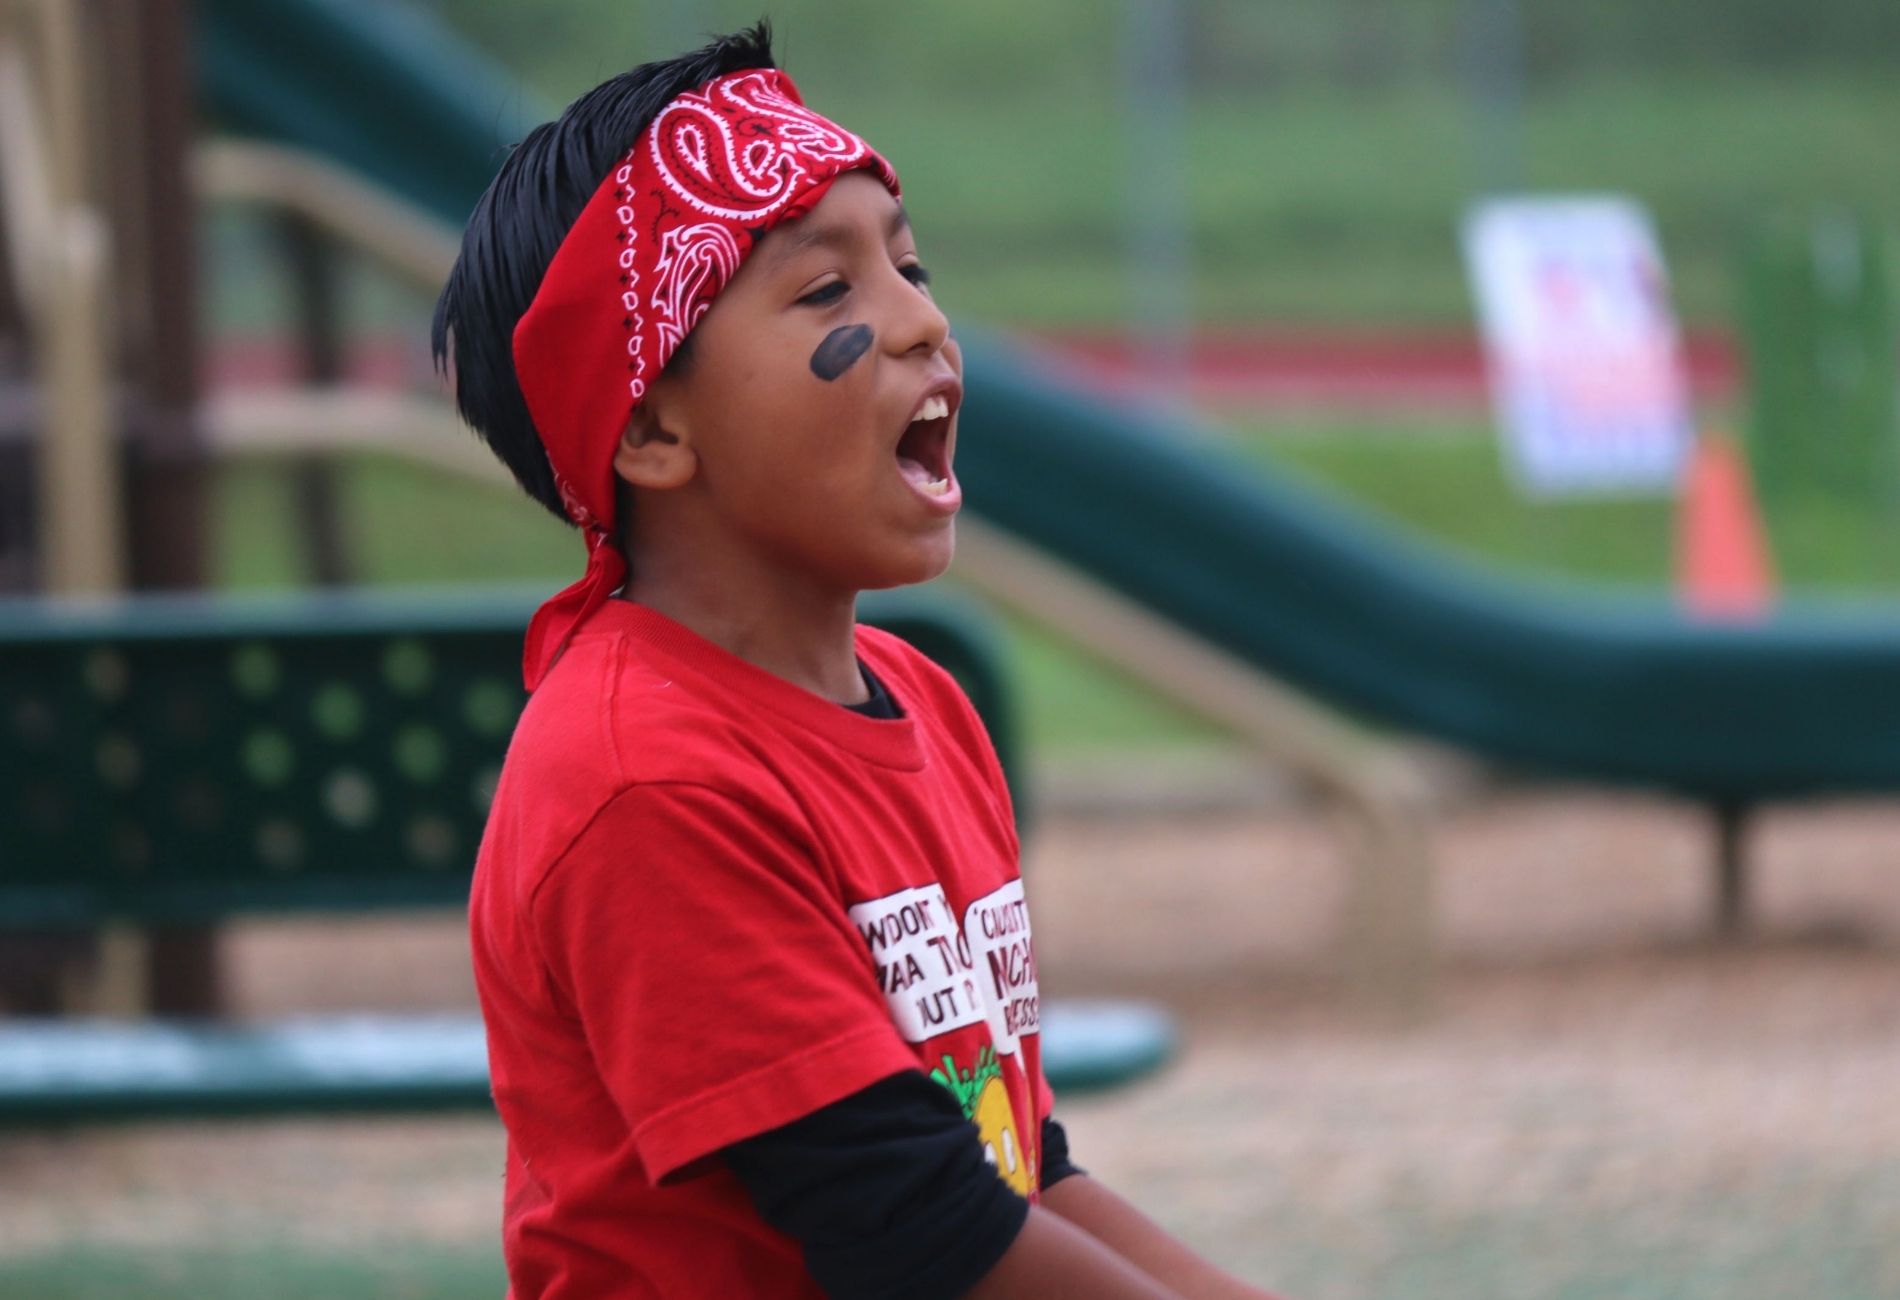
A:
x,y
518,225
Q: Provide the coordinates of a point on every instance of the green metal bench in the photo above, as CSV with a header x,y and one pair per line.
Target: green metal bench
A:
x,y
181,760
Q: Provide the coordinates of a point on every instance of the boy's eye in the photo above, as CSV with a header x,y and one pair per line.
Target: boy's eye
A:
x,y
825,293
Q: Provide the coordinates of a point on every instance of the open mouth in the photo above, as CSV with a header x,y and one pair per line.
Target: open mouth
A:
x,y
923,453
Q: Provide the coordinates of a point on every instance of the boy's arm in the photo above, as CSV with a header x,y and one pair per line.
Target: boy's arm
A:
x,y
1091,1207
887,1193
1053,1259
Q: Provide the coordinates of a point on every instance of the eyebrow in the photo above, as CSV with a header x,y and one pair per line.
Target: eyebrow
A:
x,y
833,236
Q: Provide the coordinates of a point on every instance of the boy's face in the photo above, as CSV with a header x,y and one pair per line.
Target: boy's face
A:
x,y
794,420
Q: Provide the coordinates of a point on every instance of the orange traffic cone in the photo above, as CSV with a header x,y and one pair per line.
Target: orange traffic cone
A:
x,y
1723,567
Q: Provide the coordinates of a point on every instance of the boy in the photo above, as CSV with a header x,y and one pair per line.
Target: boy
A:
x,y
747,926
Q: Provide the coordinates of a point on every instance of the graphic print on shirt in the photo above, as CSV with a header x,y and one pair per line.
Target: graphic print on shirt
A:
x,y
923,962
997,925
940,975
985,1101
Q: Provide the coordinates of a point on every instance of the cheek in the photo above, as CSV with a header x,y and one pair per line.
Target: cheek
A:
x,y
780,422
813,436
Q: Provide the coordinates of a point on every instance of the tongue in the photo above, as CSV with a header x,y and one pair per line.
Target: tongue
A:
x,y
914,472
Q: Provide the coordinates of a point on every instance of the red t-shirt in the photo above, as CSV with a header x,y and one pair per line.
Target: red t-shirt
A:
x,y
709,902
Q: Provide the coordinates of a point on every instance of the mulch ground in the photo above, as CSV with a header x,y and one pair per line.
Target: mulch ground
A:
x,y
1606,1101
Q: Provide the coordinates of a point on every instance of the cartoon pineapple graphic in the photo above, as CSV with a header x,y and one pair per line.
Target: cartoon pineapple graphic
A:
x,y
985,1100
997,1124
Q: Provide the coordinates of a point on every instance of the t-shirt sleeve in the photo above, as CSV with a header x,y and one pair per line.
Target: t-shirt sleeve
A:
x,y
719,984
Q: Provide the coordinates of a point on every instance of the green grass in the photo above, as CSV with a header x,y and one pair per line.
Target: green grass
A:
x,y
1311,195
1339,208
1072,705
1319,206
1445,479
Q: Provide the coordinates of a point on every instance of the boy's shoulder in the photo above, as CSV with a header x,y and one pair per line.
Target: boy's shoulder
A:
x,y
611,716
619,711
614,722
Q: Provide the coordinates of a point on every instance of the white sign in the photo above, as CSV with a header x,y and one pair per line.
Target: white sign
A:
x,y
1582,344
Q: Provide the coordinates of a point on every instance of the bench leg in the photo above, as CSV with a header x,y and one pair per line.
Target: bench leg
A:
x,y
1731,869
43,974
182,971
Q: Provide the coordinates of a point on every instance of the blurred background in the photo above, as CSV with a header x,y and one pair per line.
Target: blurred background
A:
x,y
1516,867
1250,208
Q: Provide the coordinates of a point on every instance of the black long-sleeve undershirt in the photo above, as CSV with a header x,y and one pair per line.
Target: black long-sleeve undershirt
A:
x,y
888,1193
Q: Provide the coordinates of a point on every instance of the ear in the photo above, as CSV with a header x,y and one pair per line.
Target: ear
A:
x,y
651,453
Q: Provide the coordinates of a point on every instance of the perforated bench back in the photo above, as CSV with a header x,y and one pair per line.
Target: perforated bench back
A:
x,y
178,759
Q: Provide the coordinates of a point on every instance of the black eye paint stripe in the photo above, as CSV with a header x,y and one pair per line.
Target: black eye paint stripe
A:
x,y
840,350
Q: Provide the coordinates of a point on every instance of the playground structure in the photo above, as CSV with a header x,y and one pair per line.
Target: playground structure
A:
x,y
1225,590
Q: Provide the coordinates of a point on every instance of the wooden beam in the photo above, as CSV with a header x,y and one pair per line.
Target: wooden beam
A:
x,y
154,215
82,542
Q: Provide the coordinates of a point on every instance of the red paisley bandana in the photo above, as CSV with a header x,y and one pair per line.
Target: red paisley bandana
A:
x,y
717,169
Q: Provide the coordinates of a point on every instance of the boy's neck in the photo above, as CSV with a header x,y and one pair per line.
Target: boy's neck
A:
x,y
772,622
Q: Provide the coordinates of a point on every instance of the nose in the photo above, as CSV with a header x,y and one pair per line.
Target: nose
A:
x,y
917,324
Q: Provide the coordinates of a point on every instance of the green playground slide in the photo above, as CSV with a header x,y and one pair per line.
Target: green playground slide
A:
x,y
1370,619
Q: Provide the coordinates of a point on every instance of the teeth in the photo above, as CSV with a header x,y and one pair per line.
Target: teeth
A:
x,y
935,407
937,486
